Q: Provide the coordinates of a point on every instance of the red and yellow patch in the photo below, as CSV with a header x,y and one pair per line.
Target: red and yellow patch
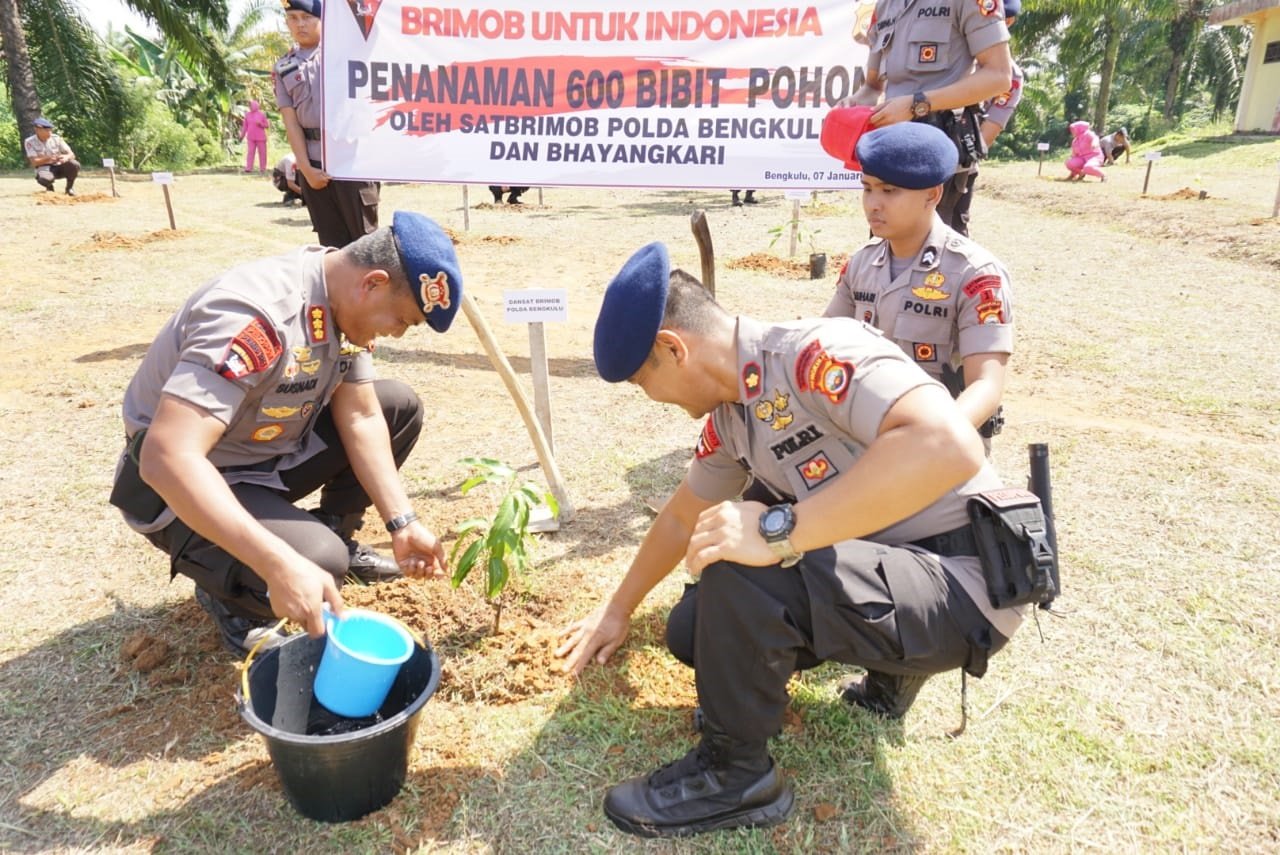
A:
x,y
751,379
925,352
928,53
986,282
255,348
709,441
266,433
991,312
319,323
817,371
991,8
433,292
817,469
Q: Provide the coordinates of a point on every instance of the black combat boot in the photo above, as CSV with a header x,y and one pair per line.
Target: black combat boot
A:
x,y
722,783
750,198
364,562
889,695
737,203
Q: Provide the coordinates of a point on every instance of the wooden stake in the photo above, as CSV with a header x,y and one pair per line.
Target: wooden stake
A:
x,y
114,194
706,253
795,225
503,367
168,204
466,209
539,197
541,380
1147,180
1275,209
1040,168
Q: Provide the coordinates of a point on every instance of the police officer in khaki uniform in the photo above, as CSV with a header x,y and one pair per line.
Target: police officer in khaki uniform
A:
x,y
999,110
866,556
942,298
935,61
341,211
261,390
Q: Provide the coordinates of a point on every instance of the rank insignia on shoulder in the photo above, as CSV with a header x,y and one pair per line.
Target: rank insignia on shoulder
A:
x,y
709,441
751,379
319,323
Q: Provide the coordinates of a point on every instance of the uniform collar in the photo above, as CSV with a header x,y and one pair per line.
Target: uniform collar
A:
x,y
749,339
320,328
931,253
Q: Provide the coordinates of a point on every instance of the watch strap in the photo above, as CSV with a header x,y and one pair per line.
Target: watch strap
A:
x,y
401,521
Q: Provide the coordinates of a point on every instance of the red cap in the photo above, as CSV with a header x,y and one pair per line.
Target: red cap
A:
x,y
840,132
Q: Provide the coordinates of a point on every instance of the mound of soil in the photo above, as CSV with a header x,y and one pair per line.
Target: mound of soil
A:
x,y
784,268
1178,195
46,198
112,240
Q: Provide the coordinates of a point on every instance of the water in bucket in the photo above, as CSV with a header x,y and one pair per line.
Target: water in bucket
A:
x,y
362,655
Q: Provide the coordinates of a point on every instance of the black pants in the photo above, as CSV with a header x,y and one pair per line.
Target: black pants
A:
x,y
69,170
235,584
746,630
957,196
343,210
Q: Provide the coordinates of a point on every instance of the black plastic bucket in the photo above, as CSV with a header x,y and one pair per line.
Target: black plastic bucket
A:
x,y
331,768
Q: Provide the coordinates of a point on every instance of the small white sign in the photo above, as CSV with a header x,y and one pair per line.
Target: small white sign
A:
x,y
162,177
109,162
536,305
1043,146
800,195
1154,155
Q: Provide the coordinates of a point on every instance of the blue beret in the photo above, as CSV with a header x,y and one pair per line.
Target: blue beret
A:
x,y
632,313
1012,8
909,154
311,7
42,122
431,266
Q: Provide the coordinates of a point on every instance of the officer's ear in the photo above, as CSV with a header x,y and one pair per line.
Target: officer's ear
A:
x,y
374,279
935,195
672,342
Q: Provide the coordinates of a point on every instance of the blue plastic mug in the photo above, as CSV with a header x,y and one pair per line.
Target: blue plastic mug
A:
x,y
362,655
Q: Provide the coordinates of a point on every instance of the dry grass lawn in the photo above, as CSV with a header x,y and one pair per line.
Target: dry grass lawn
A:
x,y
1147,718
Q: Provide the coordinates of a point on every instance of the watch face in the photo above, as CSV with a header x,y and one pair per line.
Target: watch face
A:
x,y
774,521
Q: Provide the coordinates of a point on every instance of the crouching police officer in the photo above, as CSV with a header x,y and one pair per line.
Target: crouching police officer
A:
x,y
865,557
340,211
942,298
261,390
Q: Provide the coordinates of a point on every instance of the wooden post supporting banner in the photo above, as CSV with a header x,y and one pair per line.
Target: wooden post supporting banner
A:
x,y
706,253
539,197
466,209
541,380
503,367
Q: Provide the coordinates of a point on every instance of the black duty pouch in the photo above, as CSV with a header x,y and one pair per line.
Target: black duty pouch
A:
x,y
1017,561
130,493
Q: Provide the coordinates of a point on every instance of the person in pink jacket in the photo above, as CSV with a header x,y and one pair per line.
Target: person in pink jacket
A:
x,y
1086,153
254,133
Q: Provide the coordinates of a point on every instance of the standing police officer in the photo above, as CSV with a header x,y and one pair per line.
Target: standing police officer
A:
x,y
935,61
867,557
261,390
341,211
942,298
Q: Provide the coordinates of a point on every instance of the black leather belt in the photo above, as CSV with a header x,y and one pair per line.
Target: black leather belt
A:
x,y
958,541
311,133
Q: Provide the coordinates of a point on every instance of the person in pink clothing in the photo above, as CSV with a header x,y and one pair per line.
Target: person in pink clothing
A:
x,y
1086,153
254,133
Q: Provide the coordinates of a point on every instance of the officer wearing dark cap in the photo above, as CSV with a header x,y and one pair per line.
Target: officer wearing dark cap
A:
x,y
864,554
340,211
259,391
936,61
51,156
942,298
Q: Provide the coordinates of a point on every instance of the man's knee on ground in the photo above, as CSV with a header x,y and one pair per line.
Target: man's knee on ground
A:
x,y
680,630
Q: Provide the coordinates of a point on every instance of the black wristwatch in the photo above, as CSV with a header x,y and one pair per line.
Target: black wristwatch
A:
x,y
776,525
401,521
920,106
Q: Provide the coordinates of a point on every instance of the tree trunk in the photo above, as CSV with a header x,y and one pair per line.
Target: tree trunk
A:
x,y
22,83
1111,53
1183,30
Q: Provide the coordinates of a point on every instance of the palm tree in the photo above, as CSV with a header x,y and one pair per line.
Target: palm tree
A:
x,y
50,52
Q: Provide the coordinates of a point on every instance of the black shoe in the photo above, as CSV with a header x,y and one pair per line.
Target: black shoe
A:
x,y
239,634
737,203
712,787
497,195
750,198
888,695
363,562
48,187
70,192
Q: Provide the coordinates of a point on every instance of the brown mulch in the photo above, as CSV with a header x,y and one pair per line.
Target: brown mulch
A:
x,y
46,198
1178,195
786,268
112,240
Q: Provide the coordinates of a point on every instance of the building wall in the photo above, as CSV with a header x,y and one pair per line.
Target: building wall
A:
x,y
1259,107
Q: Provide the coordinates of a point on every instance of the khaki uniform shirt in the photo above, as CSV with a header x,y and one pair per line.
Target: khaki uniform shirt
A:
x,y
812,394
53,146
952,302
255,348
927,44
297,85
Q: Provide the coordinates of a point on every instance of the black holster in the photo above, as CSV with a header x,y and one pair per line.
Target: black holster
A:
x,y
964,127
130,493
1017,560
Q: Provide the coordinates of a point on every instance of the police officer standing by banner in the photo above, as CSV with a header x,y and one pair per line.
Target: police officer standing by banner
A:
x,y
341,211
261,390
866,555
942,298
936,61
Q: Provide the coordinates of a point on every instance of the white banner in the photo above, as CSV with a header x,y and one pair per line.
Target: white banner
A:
x,y
598,93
